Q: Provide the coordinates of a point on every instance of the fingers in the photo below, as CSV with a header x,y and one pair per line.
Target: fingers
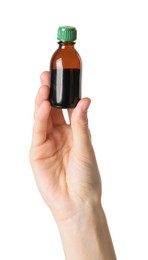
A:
x,y
45,78
42,95
41,124
79,124
43,92
42,112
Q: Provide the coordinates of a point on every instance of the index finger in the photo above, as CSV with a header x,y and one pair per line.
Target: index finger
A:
x,y
43,93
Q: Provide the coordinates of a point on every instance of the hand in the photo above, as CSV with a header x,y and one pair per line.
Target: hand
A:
x,y
62,156
67,175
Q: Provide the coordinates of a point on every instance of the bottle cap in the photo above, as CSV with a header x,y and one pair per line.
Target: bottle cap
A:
x,y
67,34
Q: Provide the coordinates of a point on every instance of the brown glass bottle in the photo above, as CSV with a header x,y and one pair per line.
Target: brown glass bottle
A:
x,y
65,71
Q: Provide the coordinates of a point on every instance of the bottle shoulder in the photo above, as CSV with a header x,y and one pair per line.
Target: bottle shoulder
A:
x,y
62,53
66,58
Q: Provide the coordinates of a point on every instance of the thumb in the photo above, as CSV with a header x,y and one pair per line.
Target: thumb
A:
x,y
79,124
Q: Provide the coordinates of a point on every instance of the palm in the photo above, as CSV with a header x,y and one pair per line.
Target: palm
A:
x,y
55,168
54,153
51,162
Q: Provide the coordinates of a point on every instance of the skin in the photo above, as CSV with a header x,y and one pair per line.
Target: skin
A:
x,y
66,172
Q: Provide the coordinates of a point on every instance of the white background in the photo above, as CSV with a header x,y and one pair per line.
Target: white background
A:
x,y
113,43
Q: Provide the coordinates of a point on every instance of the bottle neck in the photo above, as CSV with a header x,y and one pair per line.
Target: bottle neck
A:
x,y
64,45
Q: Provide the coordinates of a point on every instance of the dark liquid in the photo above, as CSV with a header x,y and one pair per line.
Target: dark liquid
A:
x,y
65,88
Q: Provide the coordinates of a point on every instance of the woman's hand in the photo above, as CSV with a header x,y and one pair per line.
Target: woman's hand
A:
x,y
62,156
67,175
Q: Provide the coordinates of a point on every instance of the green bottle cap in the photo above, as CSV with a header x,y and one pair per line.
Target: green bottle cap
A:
x,y
67,34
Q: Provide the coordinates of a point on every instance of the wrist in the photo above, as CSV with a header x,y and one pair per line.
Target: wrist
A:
x,y
86,235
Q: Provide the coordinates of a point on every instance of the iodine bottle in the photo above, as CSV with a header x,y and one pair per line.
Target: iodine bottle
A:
x,y
65,70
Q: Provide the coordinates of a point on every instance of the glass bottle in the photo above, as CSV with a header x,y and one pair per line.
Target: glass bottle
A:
x,y
65,70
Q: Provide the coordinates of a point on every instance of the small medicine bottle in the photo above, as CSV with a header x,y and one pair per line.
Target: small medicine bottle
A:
x,y
65,70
